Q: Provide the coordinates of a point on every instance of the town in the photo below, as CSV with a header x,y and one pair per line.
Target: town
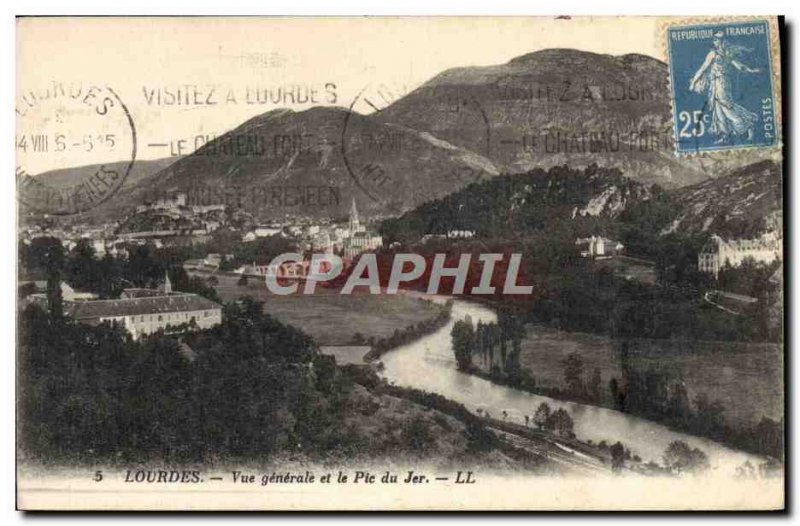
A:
x,y
308,251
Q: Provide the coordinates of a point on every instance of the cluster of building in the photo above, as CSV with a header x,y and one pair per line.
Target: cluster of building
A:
x,y
171,216
714,256
319,237
356,238
158,222
346,240
449,235
170,220
599,247
719,253
210,263
102,239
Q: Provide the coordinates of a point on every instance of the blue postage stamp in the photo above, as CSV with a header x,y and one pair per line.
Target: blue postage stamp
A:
x,y
722,93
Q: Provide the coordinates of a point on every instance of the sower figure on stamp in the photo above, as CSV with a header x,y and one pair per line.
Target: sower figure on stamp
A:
x,y
714,78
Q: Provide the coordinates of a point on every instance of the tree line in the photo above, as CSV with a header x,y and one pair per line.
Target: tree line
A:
x,y
496,344
662,396
248,387
652,393
144,267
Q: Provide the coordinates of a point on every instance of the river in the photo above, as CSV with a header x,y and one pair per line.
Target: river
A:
x,y
428,364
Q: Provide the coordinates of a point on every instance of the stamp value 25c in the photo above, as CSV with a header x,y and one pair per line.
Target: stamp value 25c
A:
x,y
722,86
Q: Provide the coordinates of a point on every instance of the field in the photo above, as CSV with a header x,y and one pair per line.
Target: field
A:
x,y
330,318
631,268
747,378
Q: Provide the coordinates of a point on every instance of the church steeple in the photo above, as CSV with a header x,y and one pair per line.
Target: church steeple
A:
x,y
167,284
355,224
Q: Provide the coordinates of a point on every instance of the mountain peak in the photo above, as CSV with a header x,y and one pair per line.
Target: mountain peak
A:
x,y
577,57
536,57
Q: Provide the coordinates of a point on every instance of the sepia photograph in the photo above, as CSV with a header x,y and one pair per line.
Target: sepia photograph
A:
x,y
400,263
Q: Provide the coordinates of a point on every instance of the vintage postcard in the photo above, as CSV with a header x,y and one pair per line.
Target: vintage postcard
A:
x,y
400,263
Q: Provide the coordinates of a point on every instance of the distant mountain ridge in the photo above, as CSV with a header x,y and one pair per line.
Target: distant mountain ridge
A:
x,y
141,170
562,106
303,150
548,108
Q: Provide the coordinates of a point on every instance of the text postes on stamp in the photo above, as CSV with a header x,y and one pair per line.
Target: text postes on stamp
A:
x,y
69,124
722,86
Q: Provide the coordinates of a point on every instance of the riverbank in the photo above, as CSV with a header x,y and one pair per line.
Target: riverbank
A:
x,y
428,364
729,392
745,376
537,450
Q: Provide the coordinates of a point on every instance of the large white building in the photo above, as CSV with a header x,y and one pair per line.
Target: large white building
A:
x,y
718,252
145,311
599,247
165,203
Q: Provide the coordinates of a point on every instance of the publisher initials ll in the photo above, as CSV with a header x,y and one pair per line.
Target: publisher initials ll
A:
x,y
464,479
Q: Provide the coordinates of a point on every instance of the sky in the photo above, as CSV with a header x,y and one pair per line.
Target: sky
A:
x,y
224,64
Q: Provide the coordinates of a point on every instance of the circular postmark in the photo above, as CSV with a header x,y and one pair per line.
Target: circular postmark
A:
x,y
386,136
75,145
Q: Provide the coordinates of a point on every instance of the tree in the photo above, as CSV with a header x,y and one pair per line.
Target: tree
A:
x,y
542,416
561,423
618,394
463,341
770,435
482,341
183,282
617,457
513,368
709,415
55,300
596,385
82,266
681,458
678,406
26,289
40,254
510,329
54,261
573,372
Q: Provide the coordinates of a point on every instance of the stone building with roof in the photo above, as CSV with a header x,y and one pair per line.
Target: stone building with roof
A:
x,y
599,247
719,252
148,314
145,311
